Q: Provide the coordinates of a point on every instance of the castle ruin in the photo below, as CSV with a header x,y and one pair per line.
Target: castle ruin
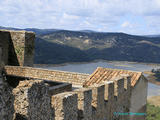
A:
x,y
28,93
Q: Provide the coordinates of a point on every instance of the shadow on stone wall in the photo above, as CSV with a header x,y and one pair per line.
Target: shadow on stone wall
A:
x,y
6,100
9,56
39,99
20,117
12,56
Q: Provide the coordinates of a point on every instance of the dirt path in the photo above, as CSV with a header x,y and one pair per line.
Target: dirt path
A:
x,y
154,100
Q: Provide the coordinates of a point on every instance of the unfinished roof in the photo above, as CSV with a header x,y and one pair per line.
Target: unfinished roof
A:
x,y
106,74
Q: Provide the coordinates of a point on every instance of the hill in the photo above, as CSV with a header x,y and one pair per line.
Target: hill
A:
x,y
59,46
95,45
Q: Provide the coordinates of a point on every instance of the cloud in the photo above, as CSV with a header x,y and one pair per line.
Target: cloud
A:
x,y
126,24
132,16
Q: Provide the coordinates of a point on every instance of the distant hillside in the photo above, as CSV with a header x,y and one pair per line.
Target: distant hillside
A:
x,y
60,46
152,36
95,45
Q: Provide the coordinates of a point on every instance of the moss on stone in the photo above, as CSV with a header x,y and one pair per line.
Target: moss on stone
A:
x,y
19,51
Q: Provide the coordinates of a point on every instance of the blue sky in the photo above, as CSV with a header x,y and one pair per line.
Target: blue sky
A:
x,y
129,16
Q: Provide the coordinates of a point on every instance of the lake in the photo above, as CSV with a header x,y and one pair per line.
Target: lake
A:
x,y
153,90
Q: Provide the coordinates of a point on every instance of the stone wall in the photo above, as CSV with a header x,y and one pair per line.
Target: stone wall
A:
x,y
1,64
17,47
139,99
32,101
65,106
6,101
6,97
4,44
54,75
95,103
98,102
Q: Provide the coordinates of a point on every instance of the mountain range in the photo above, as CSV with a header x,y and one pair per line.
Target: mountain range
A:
x,y
54,46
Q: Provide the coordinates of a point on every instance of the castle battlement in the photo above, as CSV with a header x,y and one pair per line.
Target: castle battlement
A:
x,y
97,102
30,93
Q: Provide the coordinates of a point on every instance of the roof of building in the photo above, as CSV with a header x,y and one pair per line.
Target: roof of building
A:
x,y
106,74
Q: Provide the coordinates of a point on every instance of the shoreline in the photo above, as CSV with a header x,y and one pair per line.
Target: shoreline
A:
x,y
154,82
151,78
95,61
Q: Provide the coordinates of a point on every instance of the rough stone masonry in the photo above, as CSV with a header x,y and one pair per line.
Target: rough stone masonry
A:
x,y
32,100
17,47
6,96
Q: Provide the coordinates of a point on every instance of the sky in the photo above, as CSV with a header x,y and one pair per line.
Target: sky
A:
x,y
139,17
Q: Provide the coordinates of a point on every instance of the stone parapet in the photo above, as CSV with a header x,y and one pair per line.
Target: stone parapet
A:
x,y
54,75
32,101
98,102
84,103
65,106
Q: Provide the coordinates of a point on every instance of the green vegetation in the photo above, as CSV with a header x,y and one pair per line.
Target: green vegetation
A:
x,y
156,74
153,112
19,51
157,71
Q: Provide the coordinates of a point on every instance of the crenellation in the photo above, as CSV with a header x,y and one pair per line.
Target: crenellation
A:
x,y
98,101
127,81
32,100
109,90
65,106
118,86
109,98
127,92
84,103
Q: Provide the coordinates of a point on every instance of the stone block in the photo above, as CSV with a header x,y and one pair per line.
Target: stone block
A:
x,y
109,98
98,101
65,106
32,101
118,86
84,103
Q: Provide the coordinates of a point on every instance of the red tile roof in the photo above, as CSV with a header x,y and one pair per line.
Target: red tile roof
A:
x,y
106,74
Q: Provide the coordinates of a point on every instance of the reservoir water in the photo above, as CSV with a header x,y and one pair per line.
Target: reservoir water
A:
x,y
153,90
